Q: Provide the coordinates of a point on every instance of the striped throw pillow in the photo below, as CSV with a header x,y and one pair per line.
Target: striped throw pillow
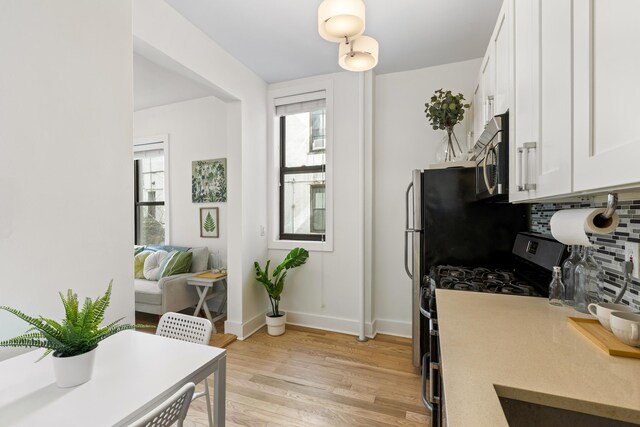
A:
x,y
176,262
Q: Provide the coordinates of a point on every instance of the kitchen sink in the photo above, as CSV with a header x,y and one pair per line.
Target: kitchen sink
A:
x,y
524,408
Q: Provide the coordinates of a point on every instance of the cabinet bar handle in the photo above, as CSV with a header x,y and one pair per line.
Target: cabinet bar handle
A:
x,y
523,163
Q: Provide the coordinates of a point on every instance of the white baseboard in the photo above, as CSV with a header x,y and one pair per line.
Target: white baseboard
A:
x,y
252,325
246,329
393,327
329,323
371,329
234,328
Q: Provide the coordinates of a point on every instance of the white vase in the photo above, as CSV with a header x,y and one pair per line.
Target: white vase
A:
x,y
275,325
74,370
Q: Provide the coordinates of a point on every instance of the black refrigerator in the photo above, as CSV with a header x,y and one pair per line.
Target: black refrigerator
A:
x,y
446,224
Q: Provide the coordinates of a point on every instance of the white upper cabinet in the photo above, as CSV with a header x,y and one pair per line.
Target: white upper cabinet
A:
x,y
488,78
524,115
606,93
541,158
492,93
502,46
478,108
553,152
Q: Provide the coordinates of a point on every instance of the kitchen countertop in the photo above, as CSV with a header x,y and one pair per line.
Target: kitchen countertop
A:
x,y
526,349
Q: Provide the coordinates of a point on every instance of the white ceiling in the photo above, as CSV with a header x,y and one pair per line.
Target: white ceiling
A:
x,y
154,85
278,39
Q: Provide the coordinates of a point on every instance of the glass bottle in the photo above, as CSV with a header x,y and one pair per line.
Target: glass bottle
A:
x,y
568,274
556,288
587,279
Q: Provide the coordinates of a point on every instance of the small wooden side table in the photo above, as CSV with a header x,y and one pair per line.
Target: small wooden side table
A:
x,y
205,283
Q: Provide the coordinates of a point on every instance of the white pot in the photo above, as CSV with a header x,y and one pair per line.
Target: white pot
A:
x,y
275,325
74,370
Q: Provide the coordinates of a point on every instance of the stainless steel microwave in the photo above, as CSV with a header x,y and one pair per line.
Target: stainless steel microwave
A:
x,y
492,159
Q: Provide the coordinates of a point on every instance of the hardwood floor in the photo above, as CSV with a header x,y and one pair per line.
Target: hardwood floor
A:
x,y
310,377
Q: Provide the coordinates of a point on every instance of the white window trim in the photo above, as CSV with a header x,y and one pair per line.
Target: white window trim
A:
x,y
274,166
157,142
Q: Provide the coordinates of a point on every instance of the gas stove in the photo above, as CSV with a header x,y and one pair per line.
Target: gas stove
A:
x,y
495,281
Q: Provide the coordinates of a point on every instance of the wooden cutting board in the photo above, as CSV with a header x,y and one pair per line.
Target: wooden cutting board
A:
x,y
593,330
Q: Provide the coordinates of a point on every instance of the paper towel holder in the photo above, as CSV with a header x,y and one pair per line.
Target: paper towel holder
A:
x,y
605,218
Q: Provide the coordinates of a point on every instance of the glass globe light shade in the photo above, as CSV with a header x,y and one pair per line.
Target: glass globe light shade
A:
x,y
338,19
360,54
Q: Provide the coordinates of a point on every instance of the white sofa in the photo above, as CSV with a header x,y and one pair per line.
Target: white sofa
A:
x,y
171,293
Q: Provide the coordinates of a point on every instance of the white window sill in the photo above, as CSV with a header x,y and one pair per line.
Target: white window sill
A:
x,y
311,246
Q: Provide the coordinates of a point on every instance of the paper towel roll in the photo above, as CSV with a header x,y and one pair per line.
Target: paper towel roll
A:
x,y
572,225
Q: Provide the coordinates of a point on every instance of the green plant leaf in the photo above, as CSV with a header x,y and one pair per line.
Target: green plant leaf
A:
x,y
76,334
274,285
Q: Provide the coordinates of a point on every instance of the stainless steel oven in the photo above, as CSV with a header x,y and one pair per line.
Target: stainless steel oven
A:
x,y
492,164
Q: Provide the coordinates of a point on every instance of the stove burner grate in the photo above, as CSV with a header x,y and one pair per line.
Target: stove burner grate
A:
x,y
482,280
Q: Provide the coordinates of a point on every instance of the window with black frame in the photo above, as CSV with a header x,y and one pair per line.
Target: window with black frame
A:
x,y
149,197
302,129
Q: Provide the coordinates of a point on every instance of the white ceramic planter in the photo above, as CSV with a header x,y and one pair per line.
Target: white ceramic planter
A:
x,y
74,370
275,325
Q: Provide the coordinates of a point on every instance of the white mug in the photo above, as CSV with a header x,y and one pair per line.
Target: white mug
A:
x,y
626,327
603,310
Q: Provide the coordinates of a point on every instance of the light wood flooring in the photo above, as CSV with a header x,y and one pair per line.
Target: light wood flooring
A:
x,y
310,377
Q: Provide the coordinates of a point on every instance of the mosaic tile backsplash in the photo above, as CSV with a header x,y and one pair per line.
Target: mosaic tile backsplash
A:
x,y
610,248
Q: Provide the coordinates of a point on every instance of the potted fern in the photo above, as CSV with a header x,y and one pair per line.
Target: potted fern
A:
x,y
274,286
73,341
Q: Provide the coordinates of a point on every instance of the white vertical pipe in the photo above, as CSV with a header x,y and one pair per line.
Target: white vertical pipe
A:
x,y
361,205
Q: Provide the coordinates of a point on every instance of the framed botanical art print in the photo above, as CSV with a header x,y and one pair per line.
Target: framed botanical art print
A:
x,y
209,225
209,181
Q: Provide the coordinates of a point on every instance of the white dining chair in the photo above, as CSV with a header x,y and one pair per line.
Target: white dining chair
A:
x,y
171,411
192,329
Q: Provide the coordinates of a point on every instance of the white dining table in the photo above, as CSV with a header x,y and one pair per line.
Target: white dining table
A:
x,y
133,373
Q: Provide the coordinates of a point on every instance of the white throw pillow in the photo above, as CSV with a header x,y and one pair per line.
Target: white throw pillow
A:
x,y
152,265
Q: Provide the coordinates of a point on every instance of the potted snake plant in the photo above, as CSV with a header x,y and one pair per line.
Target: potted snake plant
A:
x,y
74,340
274,285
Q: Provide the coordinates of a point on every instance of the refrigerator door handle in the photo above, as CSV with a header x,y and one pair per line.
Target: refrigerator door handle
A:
x,y
407,230
406,254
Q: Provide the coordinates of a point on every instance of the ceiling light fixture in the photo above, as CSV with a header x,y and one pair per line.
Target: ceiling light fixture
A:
x,y
338,19
343,21
360,54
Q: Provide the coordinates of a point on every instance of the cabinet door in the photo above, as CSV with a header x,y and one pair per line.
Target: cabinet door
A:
x,y
554,150
488,84
524,115
606,93
478,109
502,51
543,48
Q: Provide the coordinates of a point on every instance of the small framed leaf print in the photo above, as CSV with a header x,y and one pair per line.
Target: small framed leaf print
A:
x,y
209,225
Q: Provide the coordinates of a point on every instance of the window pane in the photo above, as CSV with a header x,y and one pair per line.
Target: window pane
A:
x,y
318,208
317,130
298,209
305,139
151,179
150,225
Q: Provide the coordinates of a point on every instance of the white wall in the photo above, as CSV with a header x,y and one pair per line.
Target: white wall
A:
x,y
325,291
65,155
197,130
404,141
167,36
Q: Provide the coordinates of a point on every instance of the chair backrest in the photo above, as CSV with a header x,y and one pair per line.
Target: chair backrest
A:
x,y
184,327
172,410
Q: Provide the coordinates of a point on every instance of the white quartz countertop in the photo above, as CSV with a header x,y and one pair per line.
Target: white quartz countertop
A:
x,y
527,350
